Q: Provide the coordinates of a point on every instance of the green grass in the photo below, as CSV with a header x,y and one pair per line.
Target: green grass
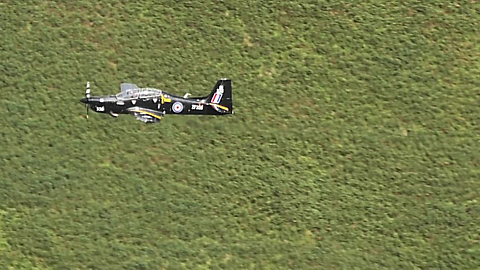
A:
x,y
354,142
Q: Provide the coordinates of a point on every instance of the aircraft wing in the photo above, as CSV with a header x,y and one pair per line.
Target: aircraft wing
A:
x,y
146,115
126,86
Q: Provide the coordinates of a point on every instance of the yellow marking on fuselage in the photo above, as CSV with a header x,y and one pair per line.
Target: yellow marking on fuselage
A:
x,y
149,113
164,99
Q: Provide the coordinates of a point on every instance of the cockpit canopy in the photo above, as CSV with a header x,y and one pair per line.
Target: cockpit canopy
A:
x,y
130,91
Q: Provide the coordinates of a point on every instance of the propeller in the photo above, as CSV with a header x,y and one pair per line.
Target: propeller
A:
x,y
87,95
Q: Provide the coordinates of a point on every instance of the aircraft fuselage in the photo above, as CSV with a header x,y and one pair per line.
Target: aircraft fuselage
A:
x,y
150,105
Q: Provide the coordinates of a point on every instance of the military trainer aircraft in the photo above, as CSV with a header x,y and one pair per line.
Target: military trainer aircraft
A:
x,y
150,105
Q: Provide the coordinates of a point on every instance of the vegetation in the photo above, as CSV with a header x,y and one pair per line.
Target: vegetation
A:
x,y
354,142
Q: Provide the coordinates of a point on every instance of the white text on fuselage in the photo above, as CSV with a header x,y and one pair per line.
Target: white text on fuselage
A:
x,y
197,107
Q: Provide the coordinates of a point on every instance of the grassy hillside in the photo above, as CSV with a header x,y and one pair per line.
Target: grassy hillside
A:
x,y
354,143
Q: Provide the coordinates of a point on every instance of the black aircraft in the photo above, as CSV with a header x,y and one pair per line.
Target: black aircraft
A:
x,y
150,105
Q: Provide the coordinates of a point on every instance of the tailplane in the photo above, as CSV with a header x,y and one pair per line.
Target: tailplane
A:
x,y
221,97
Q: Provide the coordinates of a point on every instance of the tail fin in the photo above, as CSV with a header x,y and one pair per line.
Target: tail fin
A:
x,y
221,96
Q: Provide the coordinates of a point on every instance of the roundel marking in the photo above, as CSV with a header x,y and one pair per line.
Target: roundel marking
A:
x,y
177,107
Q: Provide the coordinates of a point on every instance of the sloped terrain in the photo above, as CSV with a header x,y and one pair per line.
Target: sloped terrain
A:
x,y
354,142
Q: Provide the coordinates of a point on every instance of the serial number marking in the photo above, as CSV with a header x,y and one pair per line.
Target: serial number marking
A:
x,y
197,107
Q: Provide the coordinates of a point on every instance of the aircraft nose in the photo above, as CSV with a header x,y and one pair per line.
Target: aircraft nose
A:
x,y
84,100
